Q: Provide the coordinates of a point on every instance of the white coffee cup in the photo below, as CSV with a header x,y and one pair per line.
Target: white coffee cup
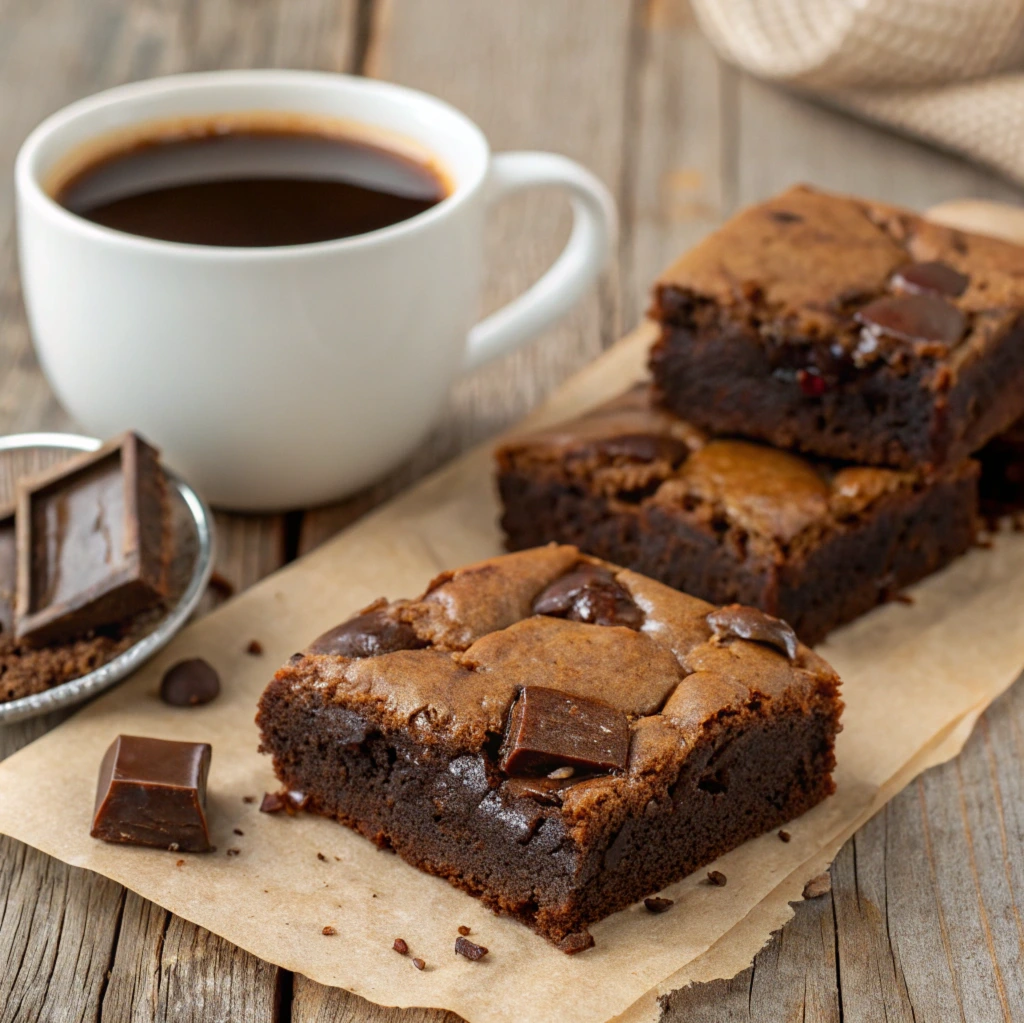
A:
x,y
289,376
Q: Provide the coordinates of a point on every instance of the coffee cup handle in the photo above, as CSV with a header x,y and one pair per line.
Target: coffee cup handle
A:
x,y
585,254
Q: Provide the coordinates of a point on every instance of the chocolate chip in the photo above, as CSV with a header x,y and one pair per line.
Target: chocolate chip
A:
x,y
785,836
811,383
749,623
785,217
401,946
469,949
248,799
255,648
548,729
717,878
578,942
238,831
905,317
224,587
656,905
328,931
933,278
419,964
320,856
367,635
189,683
643,447
463,930
817,886
273,802
589,593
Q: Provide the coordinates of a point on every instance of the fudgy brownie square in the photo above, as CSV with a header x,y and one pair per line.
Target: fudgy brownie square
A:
x,y
847,329
811,541
1002,473
553,734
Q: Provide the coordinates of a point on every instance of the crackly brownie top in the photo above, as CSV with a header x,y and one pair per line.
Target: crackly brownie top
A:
x,y
633,453
874,281
565,673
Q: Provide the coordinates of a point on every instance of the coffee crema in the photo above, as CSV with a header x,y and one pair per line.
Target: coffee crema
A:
x,y
250,186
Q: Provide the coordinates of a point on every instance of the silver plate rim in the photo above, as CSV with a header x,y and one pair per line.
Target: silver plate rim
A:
x,y
69,693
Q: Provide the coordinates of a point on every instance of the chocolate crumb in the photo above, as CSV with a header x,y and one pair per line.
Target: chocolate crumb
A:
x,y
469,949
239,831
401,946
657,905
579,942
785,836
900,598
248,799
717,878
320,856
328,931
273,802
419,964
255,648
224,587
180,863
463,930
820,885
233,852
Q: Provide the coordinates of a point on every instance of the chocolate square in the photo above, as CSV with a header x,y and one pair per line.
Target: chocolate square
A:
x,y
92,542
549,729
153,792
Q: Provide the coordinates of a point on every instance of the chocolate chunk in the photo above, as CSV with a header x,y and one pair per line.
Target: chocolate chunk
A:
x,y
717,878
273,802
656,905
233,852
419,964
320,856
463,930
922,317
153,792
578,942
785,836
749,623
238,831
401,946
547,791
255,648
818,886
930,279
328,931
367,635
92,542
643,447
548,728
469,949
248,799
589,593
190,683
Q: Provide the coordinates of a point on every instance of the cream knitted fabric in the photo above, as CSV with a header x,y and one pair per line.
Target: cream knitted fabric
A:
x,y
948,71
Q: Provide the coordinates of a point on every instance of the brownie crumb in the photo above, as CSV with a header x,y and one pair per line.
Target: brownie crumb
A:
x,y
255,648
180,863
658,905
717,878
224,587
785,836
273,802
320,856
328,931
239,831
233,852
463,930
401,946
985,545
419,964
469,949
820,885
248,799
578,942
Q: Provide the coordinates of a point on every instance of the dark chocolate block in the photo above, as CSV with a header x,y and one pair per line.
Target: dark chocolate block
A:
x,y
810,541
93,541
557,768
153,792
847,329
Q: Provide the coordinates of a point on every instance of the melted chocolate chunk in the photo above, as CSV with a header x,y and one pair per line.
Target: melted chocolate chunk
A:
x,y
190,683
547,791
643,447
923,317
367,635
469,949
589,594
548,729
930,279
749,623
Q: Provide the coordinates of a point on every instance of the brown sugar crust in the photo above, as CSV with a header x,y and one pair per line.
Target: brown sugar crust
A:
x,y
763,333
814,542
727,739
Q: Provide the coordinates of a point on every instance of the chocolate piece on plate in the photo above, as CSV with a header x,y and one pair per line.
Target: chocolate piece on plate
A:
x,y
153,792
190,683
549,729
92,539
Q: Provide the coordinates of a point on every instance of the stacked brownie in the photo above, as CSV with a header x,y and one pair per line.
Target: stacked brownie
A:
x,y
826,366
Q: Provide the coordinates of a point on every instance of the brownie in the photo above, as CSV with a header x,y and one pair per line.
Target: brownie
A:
x,y
553,734
1002,473
812,541
847,329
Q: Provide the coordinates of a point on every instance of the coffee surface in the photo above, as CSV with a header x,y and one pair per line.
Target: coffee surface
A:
x,y
251,188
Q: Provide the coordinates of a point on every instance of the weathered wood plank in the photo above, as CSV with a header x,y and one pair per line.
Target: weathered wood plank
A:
x,y
503,64
314,1003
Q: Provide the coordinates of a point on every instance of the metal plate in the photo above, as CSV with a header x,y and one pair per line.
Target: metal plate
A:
x,y
191,565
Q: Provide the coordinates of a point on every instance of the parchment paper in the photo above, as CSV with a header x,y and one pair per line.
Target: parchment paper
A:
x,y
916,678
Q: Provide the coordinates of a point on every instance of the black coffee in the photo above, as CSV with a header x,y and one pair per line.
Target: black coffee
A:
x,y
251,188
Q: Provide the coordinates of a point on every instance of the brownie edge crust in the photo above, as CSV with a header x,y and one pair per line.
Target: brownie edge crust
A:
x,y
555,735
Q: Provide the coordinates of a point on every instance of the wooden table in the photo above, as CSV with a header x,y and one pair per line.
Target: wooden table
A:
x,y
924,921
